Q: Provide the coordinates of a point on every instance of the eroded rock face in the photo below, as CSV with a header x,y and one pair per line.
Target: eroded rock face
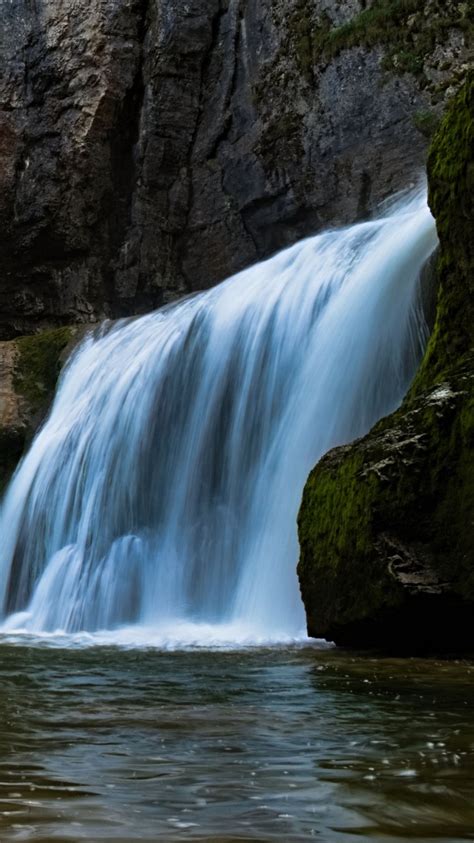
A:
x,y
152,147
386,525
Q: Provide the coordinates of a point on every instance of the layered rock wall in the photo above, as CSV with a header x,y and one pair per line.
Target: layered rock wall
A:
x,y
151,147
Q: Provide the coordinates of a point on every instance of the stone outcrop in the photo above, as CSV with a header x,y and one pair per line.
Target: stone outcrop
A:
x,y
151,147
29,369
386,525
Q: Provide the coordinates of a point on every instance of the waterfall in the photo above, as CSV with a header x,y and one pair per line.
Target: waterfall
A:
x,y
160,497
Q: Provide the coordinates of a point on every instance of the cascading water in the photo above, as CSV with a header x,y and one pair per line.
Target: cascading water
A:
x,y
161,495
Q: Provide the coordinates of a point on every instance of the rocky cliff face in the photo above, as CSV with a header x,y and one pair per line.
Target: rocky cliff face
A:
x,y
387,524
152,147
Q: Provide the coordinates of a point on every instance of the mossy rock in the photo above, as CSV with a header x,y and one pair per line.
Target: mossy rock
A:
x,y
386,525
451,197
30,369
38,364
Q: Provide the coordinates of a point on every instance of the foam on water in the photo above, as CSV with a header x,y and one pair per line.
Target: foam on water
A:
x,y
170,637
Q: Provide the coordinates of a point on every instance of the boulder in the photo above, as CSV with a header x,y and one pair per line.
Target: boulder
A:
x,y
386,525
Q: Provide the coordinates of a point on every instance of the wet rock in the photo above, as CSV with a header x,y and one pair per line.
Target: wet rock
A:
x,y
29,369
386,525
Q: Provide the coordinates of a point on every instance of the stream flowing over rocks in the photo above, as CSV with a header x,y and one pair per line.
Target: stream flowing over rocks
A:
x,y
151,148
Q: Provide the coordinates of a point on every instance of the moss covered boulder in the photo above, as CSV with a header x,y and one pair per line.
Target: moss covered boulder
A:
x,y
29,369
386,525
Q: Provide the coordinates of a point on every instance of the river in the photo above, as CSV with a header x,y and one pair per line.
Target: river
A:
x,y
278,744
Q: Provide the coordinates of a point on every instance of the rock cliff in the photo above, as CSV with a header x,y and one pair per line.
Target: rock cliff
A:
x,y
387,524
152,147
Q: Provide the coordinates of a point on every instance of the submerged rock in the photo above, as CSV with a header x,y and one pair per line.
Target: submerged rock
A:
x,y
386,525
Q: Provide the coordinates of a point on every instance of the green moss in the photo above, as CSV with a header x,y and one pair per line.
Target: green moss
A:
x,y
405,492
38,365
404,61
401,500
427,122
376,25
342,576
403,25
451,197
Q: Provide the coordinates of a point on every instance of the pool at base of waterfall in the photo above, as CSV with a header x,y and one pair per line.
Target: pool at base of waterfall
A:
x,y
286,744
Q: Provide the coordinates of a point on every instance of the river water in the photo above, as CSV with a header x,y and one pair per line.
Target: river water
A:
x,y
287,744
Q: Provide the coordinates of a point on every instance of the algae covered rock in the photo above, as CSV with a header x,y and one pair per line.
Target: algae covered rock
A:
x,y
151,149
29,369
386,525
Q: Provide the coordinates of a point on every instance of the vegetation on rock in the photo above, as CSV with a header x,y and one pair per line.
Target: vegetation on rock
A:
x,y
386,525
427,122
38,364
29,370
451,191
410,28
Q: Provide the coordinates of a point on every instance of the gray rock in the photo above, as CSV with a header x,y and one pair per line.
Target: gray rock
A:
x,y
152,147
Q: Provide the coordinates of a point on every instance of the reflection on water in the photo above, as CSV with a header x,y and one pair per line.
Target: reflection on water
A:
x,y
284,745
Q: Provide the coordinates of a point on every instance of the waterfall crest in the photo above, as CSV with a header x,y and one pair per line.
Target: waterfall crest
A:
x,y
163,489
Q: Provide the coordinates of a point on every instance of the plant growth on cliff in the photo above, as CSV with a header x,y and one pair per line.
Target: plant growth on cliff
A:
x,y
410,30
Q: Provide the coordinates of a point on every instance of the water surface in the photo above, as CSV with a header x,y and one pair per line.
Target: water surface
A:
x,y
104,744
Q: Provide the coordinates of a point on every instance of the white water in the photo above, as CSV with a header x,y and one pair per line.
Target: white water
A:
x,y
159,501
